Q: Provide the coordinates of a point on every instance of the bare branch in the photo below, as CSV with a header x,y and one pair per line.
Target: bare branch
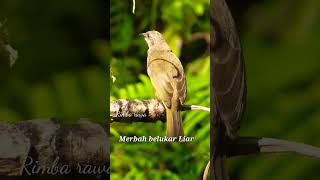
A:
x,y
195,107
253,145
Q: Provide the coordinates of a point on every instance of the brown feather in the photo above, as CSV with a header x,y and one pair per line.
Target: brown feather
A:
x,y
168,79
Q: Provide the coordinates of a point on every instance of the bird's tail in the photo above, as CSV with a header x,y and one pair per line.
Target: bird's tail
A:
x,y
174,123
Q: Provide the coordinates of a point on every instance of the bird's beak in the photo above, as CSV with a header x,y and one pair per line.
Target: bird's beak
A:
x,y
142,34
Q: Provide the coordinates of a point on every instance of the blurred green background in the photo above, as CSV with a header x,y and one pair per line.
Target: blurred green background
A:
x,y
281,41
186,27
62,66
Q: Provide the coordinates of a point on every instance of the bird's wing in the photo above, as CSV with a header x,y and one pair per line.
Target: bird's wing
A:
x,y
161,81
180,78
173,72
228,73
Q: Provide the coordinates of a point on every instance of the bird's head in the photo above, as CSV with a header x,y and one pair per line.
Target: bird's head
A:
x,y
155,39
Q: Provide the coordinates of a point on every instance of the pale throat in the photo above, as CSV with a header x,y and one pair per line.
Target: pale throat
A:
x,y
158,46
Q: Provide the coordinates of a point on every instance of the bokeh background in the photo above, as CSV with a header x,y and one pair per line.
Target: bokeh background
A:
x,y
62,66
186,27
281,40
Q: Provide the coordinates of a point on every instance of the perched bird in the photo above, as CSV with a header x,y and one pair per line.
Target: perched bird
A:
x,y
228,70
228,84
168,79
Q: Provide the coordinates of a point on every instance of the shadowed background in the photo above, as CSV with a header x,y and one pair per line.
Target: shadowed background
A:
x,y
280,42
61,69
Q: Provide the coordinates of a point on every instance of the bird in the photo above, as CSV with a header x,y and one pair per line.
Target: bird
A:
x,y
168,80
228,71
228,85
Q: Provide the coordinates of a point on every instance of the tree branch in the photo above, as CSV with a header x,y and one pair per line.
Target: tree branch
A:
x,y
129,111
50,144
254,145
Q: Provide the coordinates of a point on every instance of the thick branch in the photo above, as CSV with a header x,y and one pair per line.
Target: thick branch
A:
x,y
253,145
48,143
128,111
